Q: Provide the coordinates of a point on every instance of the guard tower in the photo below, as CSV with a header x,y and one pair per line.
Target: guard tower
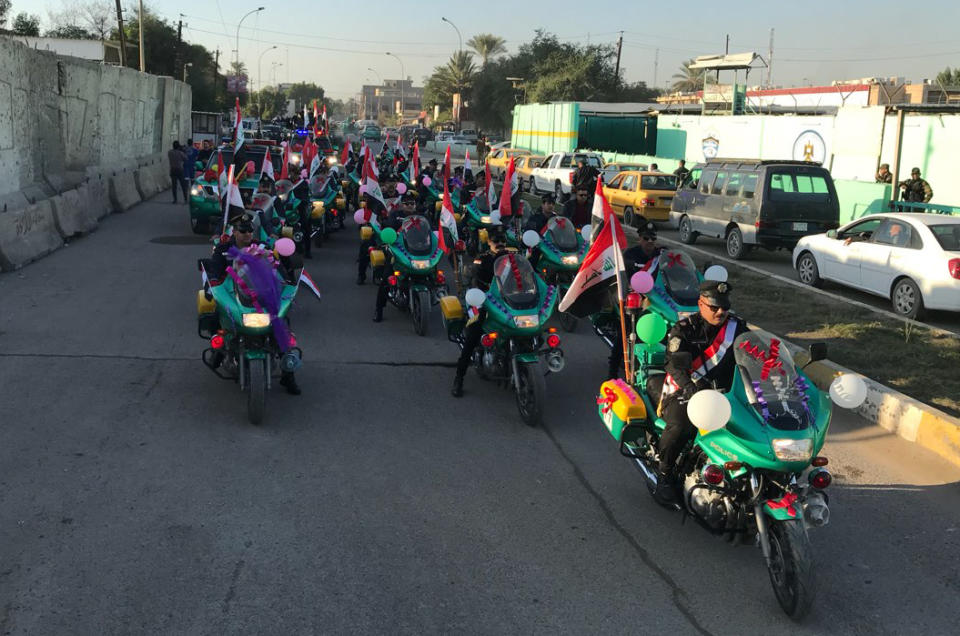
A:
x,y
726,99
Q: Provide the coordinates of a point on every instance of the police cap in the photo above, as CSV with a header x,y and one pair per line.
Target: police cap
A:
x,y
548,198
408,197
649,231
716,293
497,235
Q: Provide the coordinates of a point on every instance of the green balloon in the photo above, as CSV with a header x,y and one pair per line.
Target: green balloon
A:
x,y
651,328
388,236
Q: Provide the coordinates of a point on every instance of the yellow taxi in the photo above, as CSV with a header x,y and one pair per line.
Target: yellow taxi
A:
x,y
499,158
524,166
639,196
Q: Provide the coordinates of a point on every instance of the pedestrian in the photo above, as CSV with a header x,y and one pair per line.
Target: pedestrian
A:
x,y
580,208
681,173
177,157
481,148
883,174
654,167
916,189
190,168
205,151
585,176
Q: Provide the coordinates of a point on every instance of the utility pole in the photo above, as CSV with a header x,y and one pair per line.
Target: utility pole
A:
x,y
143,66
176,56
726,50
770,62
216,84
619,49
123,39
656,63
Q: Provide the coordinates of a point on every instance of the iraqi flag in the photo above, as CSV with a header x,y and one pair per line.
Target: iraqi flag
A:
x,y
307,281
596,214
447,220
345,154
491,190
324,115
267,169
369,180
221,175
285,168
446,165
415,161
466,164
234,202
237,129
399,151
316,119
306,116
601,267
309,153
506,205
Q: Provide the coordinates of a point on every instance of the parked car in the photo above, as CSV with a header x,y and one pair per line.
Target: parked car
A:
x,y
392,131
748,203
641,196
524,166
912,259
611,170
371,132
499,158
470,134
498,145
456,143
555,173
423,135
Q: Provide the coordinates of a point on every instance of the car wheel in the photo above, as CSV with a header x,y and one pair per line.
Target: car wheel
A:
x,y
687,235
907,299
557,191
807,271
735,247
629,218
532,189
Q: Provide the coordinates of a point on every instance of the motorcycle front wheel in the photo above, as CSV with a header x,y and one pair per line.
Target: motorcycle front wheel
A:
x,y
257,390
531,389
420,310
791,567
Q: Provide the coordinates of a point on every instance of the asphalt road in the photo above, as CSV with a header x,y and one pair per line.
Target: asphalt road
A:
x,y
136,498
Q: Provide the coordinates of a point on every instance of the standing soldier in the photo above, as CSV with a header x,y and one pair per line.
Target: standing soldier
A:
x,y
916,189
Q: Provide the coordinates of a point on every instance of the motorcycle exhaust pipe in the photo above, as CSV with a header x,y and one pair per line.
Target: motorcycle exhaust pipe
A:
x,y
290,361
816,513
555,361
298,237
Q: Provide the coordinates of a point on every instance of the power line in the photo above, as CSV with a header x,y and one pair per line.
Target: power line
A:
x,y
870,59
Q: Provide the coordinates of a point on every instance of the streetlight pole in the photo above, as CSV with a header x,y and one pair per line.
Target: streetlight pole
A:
x,y
236,70
260,81
185,67
273,68
403,78
456,29
143,66
377,92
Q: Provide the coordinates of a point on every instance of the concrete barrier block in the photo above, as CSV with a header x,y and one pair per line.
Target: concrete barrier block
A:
x,y
97,200
72,213
123,192
27,234
161,173
146,184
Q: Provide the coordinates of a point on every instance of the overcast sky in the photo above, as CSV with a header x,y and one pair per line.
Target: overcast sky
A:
x,y
334,43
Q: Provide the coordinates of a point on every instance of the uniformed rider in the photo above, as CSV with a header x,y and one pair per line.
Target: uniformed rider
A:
x,y
394,220
700,355
482,278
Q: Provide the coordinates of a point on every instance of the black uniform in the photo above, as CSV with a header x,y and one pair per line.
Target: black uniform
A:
x,y
302,193
394,220
691,337
482,278
363,257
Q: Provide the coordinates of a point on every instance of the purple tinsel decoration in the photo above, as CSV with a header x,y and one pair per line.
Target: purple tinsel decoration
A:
x,y
762,401
803,387
265,284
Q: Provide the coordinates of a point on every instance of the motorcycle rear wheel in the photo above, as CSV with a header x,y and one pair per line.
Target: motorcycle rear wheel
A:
x,y
420,310
257,390
791,567
568,321
531,389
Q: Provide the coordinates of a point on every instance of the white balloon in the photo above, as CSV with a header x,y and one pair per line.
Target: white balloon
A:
x,y
495,217
586,232
716,272
531,238
708,410
475,297
848,391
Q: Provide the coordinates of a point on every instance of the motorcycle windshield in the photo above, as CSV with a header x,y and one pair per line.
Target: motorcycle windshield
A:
x,y
318,185
417,236
562,233
771,381
680,278
518,283
253,285
261,201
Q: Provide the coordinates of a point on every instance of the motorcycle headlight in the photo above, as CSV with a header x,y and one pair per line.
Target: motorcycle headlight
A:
x,y
793,450
256,320
196,191
526,322
485,218
331,160
571,259
295,159
421,264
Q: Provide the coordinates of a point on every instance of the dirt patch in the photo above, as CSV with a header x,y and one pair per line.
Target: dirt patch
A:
x,y
916,361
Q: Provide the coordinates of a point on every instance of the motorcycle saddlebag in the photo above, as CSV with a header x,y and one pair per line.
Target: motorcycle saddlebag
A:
x,y
205,305
377,258
483,236
617,405
453,317
366,233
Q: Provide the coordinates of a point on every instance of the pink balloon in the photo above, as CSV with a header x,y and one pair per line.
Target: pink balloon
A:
x,y
401,188
427,181
250,167
285,246
359,217
641,282
363,189
303,174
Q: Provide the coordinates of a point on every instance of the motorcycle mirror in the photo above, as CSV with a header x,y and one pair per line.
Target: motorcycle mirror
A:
x,y
708,410
586,232
531,238
817,351
475,297
716,272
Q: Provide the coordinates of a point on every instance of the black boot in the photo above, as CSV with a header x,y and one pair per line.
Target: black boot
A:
x,y
361,278
378,314
288,381
665,493
457,390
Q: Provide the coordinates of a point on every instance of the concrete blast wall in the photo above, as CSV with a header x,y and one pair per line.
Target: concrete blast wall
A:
x,y
60,116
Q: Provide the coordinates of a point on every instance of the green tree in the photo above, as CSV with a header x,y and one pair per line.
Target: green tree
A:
x,y
456,76
70,31
306,93
4,12
948,77
638,92
25,24
88,20
688,80
487,46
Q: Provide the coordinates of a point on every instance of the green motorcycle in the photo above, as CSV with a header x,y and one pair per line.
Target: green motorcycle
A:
x,y
516,341
414,279
327,207
753,472
244,319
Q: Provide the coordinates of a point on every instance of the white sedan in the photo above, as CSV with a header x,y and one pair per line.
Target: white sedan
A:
x,y
912,259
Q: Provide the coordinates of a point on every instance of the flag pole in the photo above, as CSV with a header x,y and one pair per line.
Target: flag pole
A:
x,y
626,355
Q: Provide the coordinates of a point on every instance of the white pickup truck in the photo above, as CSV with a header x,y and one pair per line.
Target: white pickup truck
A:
x,y
555,173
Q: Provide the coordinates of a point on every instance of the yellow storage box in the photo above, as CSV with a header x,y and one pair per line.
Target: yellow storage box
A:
x,y
451,308
377,258
317,210
618,404
483,235
205,305
366,233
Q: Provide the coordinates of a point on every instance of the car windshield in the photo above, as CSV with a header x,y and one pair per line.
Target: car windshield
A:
x,y
948,236
562,233
658,182
323,143
417,236
680,277
518,283
771,382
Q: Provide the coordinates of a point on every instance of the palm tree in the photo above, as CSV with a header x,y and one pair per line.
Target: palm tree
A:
x,y
487,46
457,74
687,79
